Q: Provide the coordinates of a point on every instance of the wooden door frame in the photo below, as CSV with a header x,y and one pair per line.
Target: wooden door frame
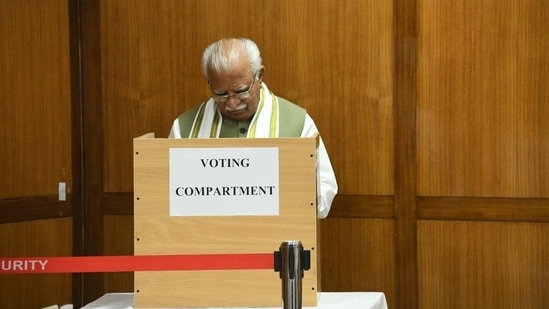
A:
x,y
87,138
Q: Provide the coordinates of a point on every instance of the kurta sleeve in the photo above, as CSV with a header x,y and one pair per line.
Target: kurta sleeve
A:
x,y
326,179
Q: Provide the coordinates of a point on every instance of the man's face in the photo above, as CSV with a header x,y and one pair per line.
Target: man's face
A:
x,y
241,87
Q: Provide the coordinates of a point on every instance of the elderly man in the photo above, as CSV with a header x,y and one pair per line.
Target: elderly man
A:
x,y
241,105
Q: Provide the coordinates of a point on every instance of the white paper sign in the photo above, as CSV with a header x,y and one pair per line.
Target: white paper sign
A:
x,y
224,181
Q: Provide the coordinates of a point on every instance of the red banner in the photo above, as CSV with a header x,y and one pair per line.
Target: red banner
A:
x,y
83,264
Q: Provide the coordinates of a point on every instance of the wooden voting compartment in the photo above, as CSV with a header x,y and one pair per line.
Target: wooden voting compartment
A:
x,y
156,232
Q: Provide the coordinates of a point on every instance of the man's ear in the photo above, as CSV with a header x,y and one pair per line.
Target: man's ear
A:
x,y
260,73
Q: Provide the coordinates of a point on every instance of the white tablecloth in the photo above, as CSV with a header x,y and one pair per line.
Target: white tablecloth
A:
x,y
326,300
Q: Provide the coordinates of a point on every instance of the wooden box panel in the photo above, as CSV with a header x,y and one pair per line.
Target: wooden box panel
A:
x,y
156,232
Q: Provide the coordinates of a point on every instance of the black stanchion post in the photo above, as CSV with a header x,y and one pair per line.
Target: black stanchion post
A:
x,y
290,262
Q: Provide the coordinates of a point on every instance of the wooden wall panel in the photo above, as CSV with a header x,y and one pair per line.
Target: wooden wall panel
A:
x,y
483,264
35,146
151,72
118,230
361,256
35,238
482,154
35,101
346,51
483,115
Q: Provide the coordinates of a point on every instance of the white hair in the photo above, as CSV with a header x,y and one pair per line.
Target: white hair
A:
x,y
219,56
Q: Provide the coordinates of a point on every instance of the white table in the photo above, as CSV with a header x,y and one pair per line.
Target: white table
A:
x,y
326,300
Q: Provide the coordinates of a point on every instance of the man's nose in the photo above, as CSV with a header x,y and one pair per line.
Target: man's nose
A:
x,y
232,101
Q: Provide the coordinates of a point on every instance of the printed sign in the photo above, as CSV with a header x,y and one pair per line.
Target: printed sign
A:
x,y
224,181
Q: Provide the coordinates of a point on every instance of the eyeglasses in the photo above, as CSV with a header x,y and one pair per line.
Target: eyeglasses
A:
x,y
240,95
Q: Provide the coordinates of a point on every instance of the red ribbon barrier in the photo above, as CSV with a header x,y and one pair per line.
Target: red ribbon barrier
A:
x,y
84,264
